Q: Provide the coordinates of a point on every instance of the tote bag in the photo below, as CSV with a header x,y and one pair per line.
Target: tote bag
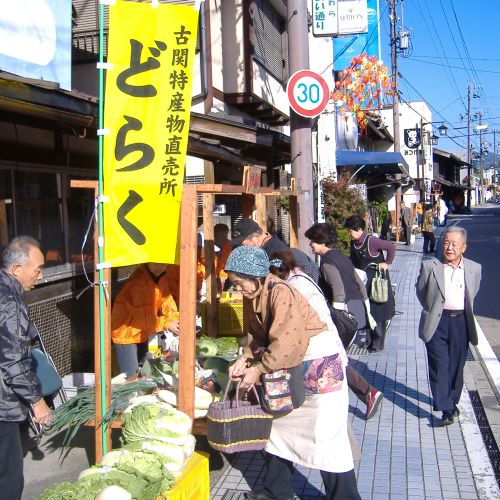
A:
x,y
379,288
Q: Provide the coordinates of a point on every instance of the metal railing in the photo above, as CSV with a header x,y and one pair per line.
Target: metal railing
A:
x,y
86,46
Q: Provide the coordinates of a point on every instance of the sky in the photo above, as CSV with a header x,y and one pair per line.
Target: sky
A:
x,y
453,44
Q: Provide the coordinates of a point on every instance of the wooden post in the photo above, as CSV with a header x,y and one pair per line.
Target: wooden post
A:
x,y
260,204
187,299
98,435
211,279
4,234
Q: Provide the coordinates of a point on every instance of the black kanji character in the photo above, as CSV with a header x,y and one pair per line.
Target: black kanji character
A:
x,y
136,67
122,149
126,207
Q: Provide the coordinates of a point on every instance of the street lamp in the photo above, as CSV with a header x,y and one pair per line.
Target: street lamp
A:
x,y
443,130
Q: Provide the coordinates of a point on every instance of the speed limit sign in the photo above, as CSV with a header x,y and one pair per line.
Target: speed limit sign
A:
x,y
307,93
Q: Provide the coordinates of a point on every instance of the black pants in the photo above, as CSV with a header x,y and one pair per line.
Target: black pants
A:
x,y
429,238
446,353
376,337
11,461
407,231
278,481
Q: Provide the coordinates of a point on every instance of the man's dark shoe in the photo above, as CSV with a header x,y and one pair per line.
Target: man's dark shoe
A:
x,y
374,400
447,418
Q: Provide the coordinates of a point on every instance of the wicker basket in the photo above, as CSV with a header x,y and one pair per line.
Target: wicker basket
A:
x,y
235,425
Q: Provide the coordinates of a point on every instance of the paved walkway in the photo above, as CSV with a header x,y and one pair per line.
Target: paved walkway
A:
x,y
405,454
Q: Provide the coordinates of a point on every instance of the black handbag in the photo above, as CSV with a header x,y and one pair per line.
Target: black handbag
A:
x,y
346,325
344,321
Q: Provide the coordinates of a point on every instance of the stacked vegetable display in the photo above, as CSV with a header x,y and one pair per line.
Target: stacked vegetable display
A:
x,y
156,446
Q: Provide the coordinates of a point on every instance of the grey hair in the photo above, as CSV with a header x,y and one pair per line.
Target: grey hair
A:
x,y
18,251
456,229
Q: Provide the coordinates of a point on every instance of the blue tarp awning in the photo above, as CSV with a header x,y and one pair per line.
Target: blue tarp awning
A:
x,y
376,162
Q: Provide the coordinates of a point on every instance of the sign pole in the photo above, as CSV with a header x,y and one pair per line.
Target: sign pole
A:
x,y
300,127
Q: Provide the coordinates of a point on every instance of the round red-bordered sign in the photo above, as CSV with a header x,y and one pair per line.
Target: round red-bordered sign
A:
x,y
308,93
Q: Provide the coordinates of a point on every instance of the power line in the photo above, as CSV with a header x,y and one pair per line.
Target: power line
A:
x,y
414,58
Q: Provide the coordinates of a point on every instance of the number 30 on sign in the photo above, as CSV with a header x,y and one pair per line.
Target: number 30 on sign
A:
x,y
307,93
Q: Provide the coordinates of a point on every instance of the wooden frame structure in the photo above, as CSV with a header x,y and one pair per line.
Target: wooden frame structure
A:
x,y
187,298
188,247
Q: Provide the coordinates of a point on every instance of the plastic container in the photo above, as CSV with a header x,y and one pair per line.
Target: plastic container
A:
x,y
194,482
230,318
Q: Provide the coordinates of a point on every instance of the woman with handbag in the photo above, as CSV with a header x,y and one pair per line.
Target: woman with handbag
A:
x,y
343,289
285,331
367,254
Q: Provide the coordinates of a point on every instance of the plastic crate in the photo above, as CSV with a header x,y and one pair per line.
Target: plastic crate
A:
x,y
230,318
194,482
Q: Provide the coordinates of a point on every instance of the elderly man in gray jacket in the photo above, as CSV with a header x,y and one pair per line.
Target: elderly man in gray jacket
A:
x,y
446,289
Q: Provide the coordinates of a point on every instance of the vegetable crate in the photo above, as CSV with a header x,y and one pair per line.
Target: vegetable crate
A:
x,y
230,318
194,483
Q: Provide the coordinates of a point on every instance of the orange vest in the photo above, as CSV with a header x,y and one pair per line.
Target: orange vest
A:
x,y
142,307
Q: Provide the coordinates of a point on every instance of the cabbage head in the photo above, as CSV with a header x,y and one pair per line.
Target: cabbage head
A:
x,y
152,422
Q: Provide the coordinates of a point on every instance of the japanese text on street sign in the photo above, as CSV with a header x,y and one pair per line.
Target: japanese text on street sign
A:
x,y
324,17
147,110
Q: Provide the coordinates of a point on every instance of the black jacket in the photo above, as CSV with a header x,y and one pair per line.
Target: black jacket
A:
x,y
19,386
303,261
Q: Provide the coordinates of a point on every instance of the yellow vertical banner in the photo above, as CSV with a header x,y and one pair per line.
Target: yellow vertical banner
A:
x,y
146,110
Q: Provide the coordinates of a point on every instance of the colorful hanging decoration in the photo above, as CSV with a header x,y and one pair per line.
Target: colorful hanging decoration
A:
x,y
362,88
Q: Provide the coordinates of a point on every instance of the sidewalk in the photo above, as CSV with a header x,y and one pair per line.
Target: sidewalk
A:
x,y
405,454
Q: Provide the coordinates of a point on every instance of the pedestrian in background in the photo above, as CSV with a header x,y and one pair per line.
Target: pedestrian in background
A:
x,y
420,213
367,253
446,289
386,227
428,230
406,222
19,387
284,331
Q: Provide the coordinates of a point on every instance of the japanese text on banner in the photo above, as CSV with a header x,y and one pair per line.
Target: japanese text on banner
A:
x,y
147,110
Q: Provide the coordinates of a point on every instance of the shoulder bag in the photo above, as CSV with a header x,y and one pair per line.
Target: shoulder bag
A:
x,y
283,390
344,321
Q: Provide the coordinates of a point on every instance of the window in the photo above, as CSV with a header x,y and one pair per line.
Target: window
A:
x,y
41,204
270,39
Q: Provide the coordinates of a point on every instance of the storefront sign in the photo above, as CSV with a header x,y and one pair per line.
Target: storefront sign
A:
x,y
346,48
324,17
147,111
251,179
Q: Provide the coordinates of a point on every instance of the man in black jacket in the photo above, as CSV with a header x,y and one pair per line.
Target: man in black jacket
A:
x,y
19,387
248,233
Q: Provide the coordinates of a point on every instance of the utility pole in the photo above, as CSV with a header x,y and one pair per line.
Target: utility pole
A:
x,y
395,106
495,162
469,152
421,164
300,127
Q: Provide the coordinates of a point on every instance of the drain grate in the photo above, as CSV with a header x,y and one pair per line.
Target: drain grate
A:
x,y
488,438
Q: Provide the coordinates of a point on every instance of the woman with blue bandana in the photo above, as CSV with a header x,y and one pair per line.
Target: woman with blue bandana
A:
x,y
284,331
